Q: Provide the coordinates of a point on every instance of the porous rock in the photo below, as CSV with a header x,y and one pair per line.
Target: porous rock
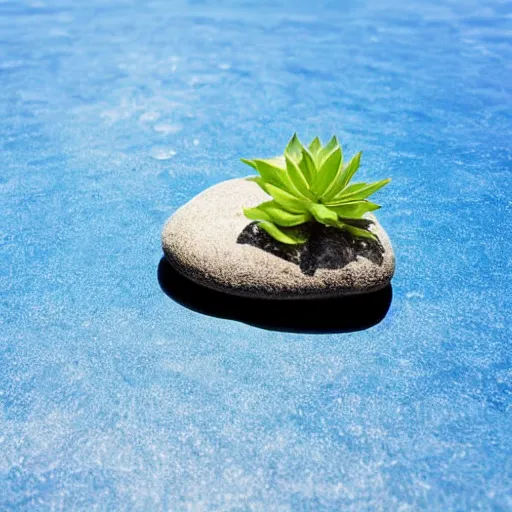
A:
x,y
210,241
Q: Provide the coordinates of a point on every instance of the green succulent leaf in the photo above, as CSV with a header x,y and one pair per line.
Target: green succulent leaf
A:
x,y
286,200
249,162
275,175
297,178
288,236
273,212
354,209
358,191
315,147
350,169
282,178
360,232
307,166
269,172
327,172
355,187
324,215
294,148
260,182
312,184
277,161
343,176
326,150
257,213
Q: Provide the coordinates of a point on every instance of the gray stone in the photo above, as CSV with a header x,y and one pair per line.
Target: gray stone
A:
x,y
210,241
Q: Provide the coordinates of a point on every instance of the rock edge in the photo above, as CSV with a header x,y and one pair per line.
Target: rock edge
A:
x,y
211,242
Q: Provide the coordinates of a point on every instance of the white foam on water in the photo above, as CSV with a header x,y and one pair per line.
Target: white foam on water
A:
x,y
159,153
167,129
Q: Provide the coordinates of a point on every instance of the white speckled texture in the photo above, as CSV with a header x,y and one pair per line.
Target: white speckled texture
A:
x,y
208,240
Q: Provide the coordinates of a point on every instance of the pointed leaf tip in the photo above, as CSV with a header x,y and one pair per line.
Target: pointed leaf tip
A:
x,y
315,146
294,148
249,162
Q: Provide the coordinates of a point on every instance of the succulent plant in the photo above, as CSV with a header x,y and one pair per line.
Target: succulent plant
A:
x,y
311,184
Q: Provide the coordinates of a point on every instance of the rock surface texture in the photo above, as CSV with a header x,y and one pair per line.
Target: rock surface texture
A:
x,y
210,241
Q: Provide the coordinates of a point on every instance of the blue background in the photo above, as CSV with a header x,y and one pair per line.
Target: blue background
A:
x,y
115,397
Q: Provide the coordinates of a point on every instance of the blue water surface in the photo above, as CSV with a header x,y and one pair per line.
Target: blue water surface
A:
x,y
115,397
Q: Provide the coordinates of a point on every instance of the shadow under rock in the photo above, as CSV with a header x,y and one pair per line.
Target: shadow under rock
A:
x,y
326,247
315,316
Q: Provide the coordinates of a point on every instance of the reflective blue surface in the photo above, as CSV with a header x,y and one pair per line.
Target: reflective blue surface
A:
x,y
113,396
